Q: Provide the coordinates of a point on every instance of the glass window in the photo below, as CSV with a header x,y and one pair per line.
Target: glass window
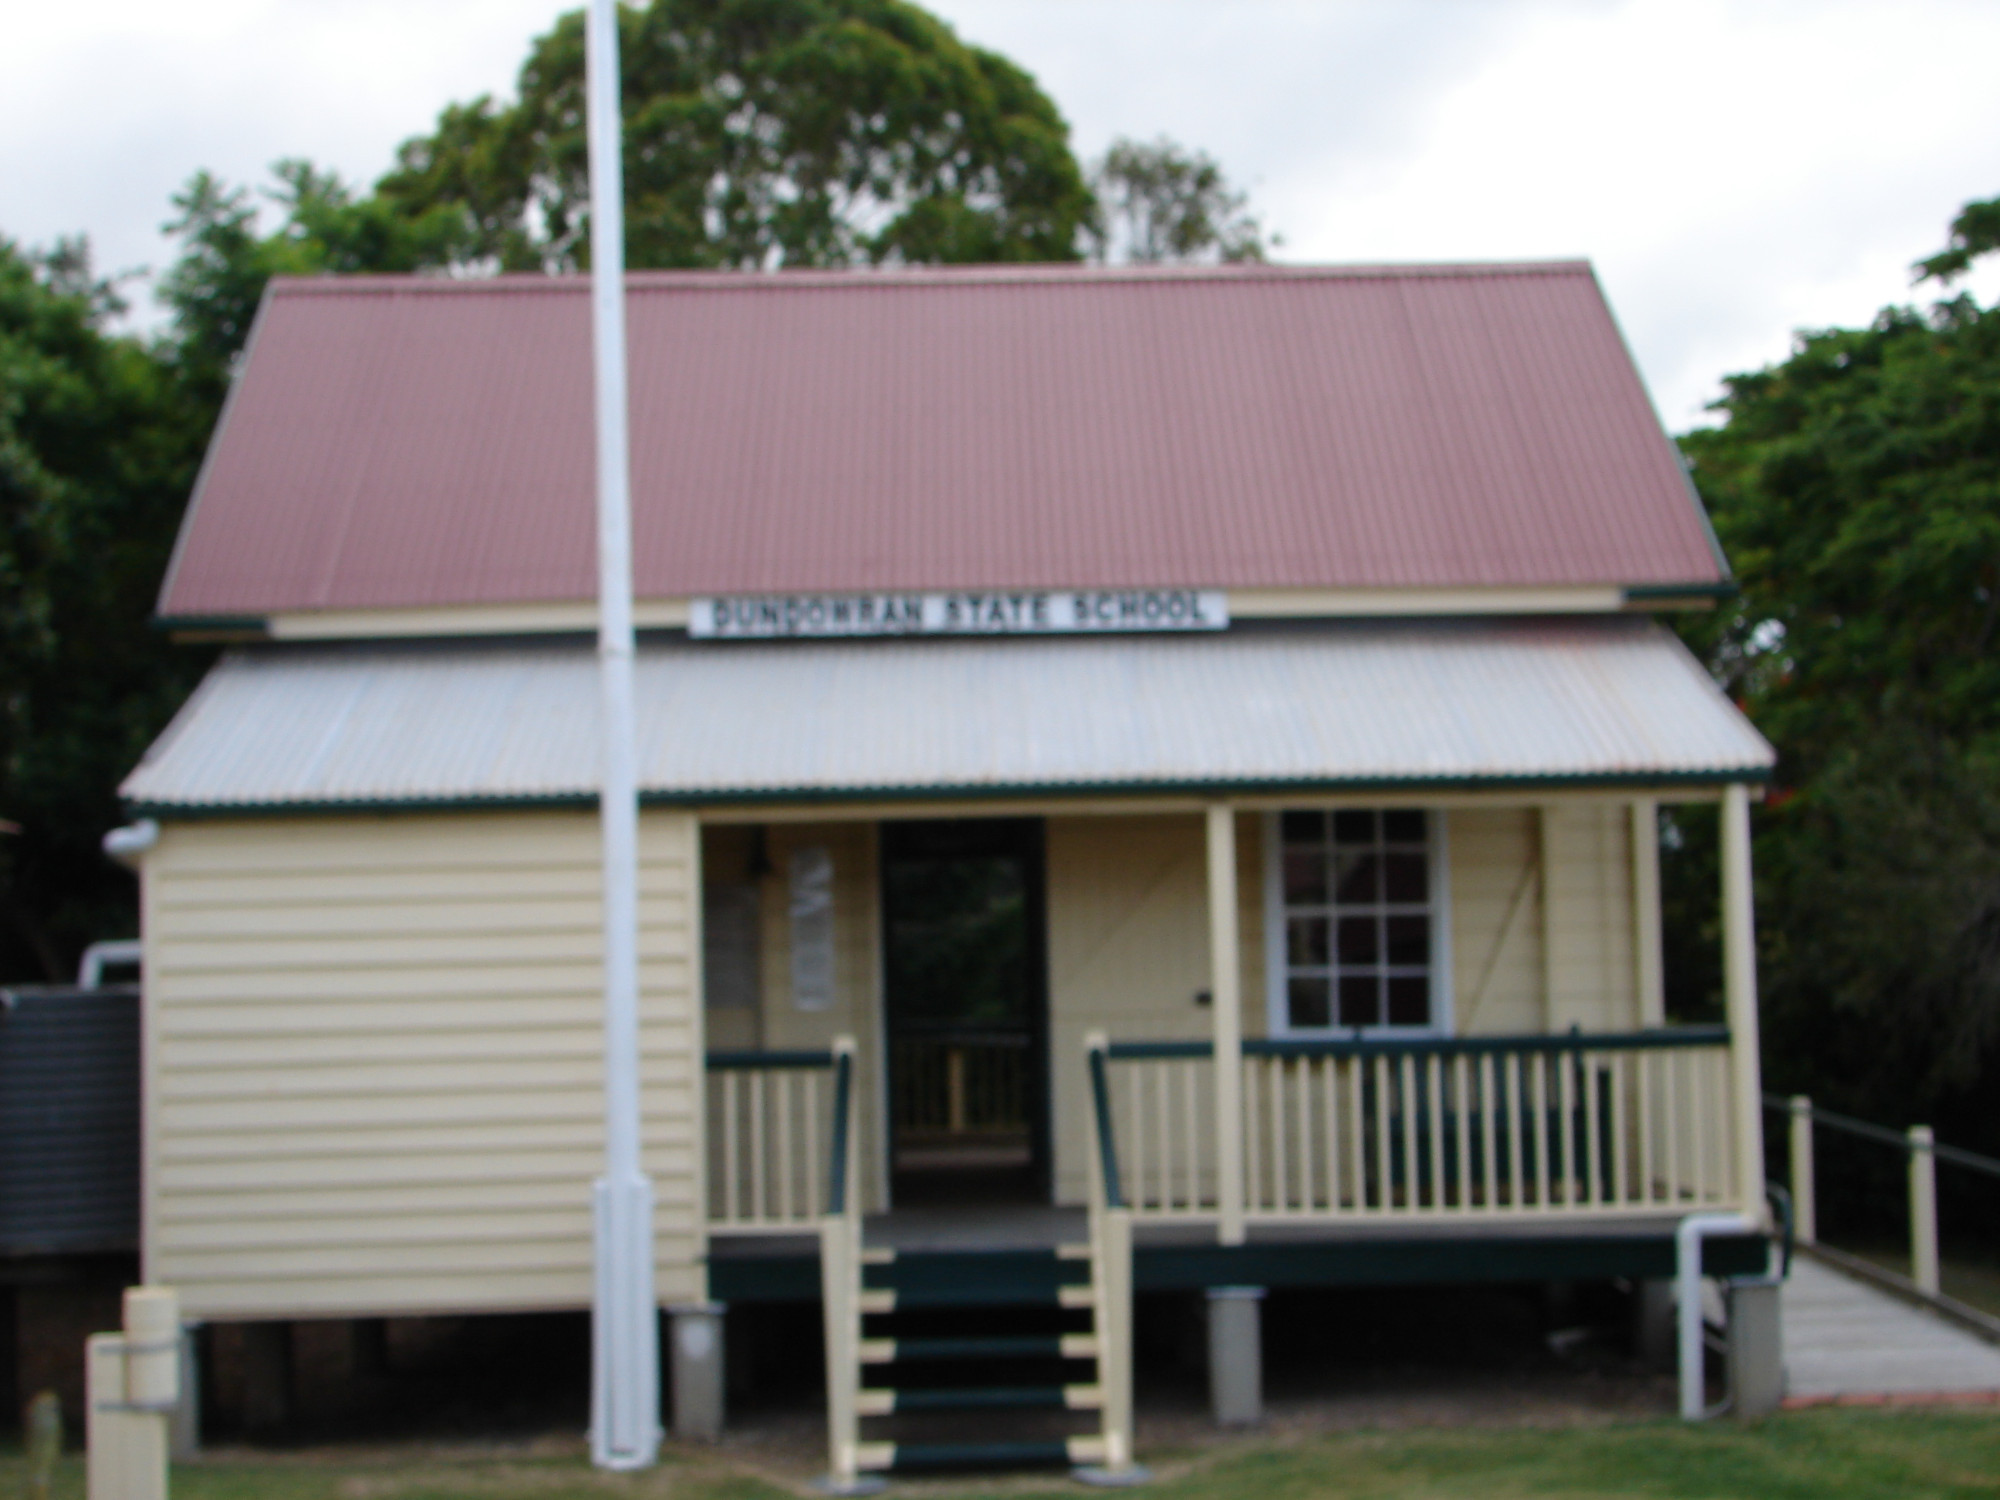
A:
x,y
1355,887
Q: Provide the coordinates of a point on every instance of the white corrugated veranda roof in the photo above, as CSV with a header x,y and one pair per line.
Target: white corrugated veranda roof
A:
x,y
1376,704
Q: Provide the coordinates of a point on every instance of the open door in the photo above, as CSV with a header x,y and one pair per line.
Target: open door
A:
x,y
966,993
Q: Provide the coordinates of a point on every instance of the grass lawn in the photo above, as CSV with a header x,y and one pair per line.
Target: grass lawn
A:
x,y
1826,1454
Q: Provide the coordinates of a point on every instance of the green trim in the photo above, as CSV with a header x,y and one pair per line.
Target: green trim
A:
x,y
922,1456
978,1398
765,1278
1459,1046
836,1169
1438,1046
258,626
1100,1094
1074,792
737,1061
1365,1260
1457,1260
1637,593
1016,1346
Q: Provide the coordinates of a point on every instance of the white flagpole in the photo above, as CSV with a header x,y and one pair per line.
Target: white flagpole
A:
x,y
625,1339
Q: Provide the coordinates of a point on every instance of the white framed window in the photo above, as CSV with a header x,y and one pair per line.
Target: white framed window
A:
x,y
1356,922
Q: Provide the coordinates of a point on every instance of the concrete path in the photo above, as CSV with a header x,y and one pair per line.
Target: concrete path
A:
x,y
1844,1338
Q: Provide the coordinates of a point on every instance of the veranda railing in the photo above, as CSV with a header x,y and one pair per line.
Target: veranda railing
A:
x,y
1431,1127
771,1116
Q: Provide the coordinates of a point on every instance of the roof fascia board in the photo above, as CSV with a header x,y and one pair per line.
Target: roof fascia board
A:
x,y
1246,793
552,617
568,617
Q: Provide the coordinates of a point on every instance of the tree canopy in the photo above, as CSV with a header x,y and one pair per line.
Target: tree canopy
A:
x,y
1856,489
98,444
1157,201
759,134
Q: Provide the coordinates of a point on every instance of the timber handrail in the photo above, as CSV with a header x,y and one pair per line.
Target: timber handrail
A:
x,y
746,1060
1107,1146
843,1112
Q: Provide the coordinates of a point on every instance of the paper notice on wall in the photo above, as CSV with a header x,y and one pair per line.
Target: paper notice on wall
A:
x,y
812,929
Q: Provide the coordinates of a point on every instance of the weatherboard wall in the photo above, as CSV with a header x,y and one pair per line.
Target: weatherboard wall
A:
x,y
374,1055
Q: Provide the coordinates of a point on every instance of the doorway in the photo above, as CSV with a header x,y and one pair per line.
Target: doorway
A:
x,y
966,1004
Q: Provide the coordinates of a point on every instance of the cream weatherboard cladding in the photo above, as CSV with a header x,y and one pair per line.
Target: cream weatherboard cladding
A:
x,y
373,1041
373,1061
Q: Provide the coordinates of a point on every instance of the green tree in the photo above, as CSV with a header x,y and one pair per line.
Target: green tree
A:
x,y
1856,488
216,283
98,443
759,134
1156,201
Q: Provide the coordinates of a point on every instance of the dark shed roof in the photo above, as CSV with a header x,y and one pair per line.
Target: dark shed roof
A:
x,y
406,442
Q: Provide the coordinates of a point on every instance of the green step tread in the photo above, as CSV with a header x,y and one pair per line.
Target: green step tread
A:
x,y
979,1455
979,1398
1019,1346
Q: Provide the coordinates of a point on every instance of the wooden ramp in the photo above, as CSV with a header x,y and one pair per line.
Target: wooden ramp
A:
x,y
1845,1340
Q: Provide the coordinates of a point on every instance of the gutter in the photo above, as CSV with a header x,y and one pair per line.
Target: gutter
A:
x,y
128,845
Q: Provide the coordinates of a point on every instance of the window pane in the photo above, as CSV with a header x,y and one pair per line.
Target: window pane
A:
x,y
1358,879
1409,940
1360,1000
1305,941
1404,826
1305,877
1358,943
1307,999
1408,877
1354,827
1305,828
1409,1000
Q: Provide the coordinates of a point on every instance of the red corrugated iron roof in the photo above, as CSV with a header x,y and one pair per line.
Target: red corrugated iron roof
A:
x,y
398,442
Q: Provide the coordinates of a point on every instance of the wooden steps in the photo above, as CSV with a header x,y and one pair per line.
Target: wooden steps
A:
x,y
977,1343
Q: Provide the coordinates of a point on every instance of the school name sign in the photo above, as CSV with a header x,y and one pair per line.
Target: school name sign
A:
x,y
999,612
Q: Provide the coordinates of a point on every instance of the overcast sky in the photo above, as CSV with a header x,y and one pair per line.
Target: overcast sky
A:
x,y
1735,170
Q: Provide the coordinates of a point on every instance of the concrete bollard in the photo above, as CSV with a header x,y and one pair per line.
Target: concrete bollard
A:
x,y
1756,1349
1923,1211
1805,1211
698,1373
133,1385
1236,1355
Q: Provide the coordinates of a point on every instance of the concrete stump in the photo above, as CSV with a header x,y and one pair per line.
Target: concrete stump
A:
x,y
1236,1355
1756,1349
698,1370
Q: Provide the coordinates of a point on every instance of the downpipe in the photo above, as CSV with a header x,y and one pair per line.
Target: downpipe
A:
x,y
1687,1294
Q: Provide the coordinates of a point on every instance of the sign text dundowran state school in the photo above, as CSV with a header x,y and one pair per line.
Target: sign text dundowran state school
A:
x,y
998,612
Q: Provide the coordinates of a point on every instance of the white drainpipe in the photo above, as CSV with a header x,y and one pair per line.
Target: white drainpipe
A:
x,y
1687,1278
100,956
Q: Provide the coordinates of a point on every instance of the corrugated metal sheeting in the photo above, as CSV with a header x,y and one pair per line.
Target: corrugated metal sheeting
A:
x,y
397,442
69,1120
1346,704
